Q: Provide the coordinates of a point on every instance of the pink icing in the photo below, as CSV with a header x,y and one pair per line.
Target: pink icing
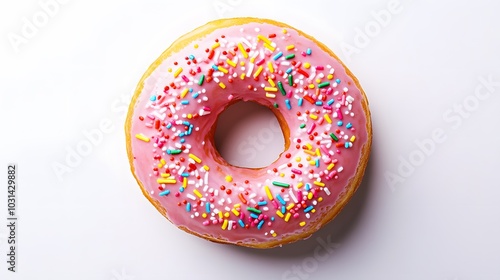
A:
x,y
313,173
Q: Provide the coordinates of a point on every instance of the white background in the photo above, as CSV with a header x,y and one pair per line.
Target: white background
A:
x,y
440,220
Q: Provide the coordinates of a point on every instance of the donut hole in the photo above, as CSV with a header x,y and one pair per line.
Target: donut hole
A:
x,y
249,135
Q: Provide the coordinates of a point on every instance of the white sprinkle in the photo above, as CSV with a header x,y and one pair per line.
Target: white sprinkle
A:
x,y
326,190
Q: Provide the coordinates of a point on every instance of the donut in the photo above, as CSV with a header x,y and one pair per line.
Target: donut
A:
x,y
319,104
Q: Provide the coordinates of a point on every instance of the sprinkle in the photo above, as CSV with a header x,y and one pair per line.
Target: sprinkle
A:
x,y
349,125
327,118
352,138
334,137
309,51
330,102
229,178
268,192
270,66
278,55
280,199
177,72
311,128
262,203
317,183
290,80
259,226
302,223
279,214
287,217
164,193
173,152
241,223
302,125
202,78
257,73
290,56
222,69
290,47
184,92
308,208
222,85
301,100
288,105
224,224
166,181
207,207
230,62
280,184
185,102
242,50
312,116
253,210
271,89
142,137
195,158
215,45
188,207
242,198
206,167
264,39
282,89
197,193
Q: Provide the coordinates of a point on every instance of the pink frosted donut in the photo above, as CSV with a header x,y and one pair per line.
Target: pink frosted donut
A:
x,y
321,108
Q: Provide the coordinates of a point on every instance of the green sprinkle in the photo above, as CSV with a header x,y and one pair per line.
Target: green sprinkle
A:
x,y
202,78
174,152
280,184
302,125
275,105
290,80
334,137
324,84
253,210
282,89
290,56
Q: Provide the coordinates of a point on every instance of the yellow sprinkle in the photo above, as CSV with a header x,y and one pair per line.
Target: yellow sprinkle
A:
x,y
242,76
330,166
270,66
318,153
184,92
269,47
271,89
197,193
160,165
318,81
216,45
352,138
321,184
190,116
290,206
195,158
271,82
287,217
226,214
206,167
195,46
163,161
329,77
257,73
222,85
237,205
320,199
308,158
230,62
224,225
263,38
300,185
312,116
290,47
142,137
308,145
223,70
169,70
284,31
220,215
177,72
229,178
313,211
327,118
268,192
279,214
235,212
312,162
275,234
307,65
252,59
270,95
282,174
184,182
309,195
165,175
309,153
311,86
204,215
302,224
242,50
166,181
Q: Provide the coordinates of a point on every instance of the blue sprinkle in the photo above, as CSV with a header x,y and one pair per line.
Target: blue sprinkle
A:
x,y
191,56
346,144
242,224
181,189
289,70
330,102
164,193
185,102
349,125
185,174
288,105
207,207
278,55
317,162
278,196
308,208
190,130
253,215
308,187
188,206
215,67
309,51
283,209
153,98
186,123
183,140
340,123
262,203
196,94
169,125
259,226
301,101
190,90
319,103
337,81
182,134
272,219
